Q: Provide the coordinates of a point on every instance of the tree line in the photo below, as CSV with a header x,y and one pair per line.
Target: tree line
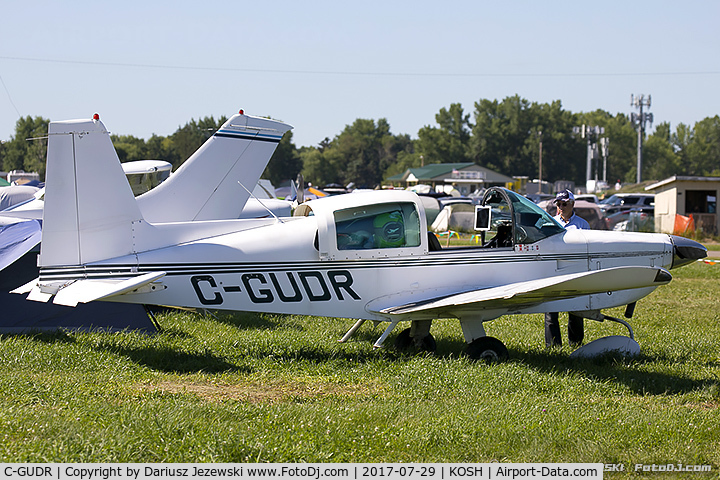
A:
x,y
504,136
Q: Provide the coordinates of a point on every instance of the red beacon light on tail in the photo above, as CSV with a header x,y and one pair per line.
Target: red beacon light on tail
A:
x,y
96,117
241,112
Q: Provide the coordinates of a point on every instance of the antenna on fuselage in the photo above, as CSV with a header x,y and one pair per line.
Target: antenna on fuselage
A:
x,y
261,203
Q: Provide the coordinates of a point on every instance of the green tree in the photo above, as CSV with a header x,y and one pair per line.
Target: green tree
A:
x,y
27,150
161,148
188,138
285,163
702,154
499,135
405,159
561,151
659,158
320,166
129,148
622,159
506,137
448,143
680,140
361,147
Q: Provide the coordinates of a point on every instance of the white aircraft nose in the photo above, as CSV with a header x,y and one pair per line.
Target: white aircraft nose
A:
x,y
686,251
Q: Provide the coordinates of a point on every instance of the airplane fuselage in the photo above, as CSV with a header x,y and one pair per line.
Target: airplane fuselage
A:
x,y
277,268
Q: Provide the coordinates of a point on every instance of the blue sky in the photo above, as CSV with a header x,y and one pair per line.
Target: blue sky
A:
x,y
149,67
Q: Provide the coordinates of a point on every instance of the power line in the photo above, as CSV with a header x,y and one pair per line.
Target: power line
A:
x,y
360,73
9,97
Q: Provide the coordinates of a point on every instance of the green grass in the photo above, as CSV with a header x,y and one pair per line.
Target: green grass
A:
x,y
268,388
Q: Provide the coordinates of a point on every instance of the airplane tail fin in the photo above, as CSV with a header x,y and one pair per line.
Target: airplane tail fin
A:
x,y
89,208
90,213
209,185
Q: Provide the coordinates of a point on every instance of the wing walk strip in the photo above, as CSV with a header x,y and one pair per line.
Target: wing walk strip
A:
x,y
124,271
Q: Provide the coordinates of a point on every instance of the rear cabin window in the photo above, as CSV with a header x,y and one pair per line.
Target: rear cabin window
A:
x,y
388,225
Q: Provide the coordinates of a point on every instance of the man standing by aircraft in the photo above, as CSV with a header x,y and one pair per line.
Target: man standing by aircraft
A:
x,y
565,202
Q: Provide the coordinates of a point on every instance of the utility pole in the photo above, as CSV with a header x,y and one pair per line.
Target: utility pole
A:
x,y
590,133
540,163
638,120
605,148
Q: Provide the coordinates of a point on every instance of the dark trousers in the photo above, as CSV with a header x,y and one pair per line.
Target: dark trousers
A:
x,y
576,329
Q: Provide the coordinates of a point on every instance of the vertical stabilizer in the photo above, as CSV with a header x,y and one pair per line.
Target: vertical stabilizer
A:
x,y
209,185
89,206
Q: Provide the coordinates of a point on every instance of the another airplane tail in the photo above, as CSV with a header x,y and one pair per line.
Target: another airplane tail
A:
x,y
90,212
209,185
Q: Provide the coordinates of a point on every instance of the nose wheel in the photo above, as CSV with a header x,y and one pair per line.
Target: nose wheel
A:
x,y
487,349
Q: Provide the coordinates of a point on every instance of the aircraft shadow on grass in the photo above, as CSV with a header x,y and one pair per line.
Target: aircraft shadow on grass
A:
x,y
610,367
247,320
618,369
160,358
172,360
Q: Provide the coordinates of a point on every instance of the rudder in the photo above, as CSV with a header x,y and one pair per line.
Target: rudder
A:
x,y
89,206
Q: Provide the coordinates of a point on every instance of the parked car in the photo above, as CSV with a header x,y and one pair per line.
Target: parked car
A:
x,y
627,201
635,220
588,197
539,197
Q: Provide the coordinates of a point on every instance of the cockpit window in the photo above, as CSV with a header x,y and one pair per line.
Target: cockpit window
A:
x,y
388,225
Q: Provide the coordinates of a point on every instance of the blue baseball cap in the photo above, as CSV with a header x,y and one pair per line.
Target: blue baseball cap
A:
x,y
564,196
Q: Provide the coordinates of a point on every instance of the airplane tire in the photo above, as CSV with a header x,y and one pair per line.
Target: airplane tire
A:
x,y
487,349
404,342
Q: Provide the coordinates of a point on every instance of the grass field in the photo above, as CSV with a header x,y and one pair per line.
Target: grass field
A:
x,y
267,388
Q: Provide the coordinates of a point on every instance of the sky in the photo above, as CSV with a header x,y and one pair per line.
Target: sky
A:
x,y
150,67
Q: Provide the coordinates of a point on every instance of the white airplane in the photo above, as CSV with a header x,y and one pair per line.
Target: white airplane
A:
x,y
365,256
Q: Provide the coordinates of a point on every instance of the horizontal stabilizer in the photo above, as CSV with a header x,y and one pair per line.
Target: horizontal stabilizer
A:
x,y
84,291
534,292
27,288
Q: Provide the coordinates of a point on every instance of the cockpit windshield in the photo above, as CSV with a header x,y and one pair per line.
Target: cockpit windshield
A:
x,y
532,223
516,220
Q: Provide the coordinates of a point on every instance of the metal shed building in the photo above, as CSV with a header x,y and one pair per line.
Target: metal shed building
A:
x,y
686,195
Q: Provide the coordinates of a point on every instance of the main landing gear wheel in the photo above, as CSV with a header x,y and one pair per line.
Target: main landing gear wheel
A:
x,y
405,342
488,349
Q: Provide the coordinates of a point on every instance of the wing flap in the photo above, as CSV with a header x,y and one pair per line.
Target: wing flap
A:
x,y
533,292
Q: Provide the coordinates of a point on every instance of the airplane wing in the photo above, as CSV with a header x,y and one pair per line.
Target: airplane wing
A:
x,y
88,290
534,292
